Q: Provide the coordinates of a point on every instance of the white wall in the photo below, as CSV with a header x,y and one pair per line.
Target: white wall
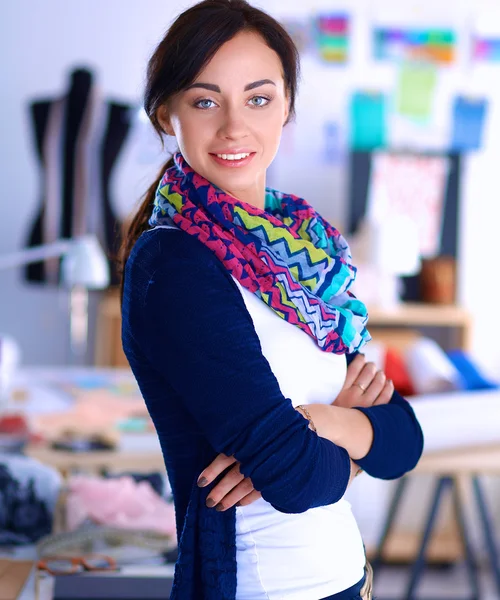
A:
x,y
41,42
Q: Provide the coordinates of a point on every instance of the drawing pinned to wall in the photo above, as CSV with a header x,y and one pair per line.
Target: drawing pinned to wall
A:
x,y
485,35
331,33
418,44
368,120
300,30
416,88
486,49
469,116
410,186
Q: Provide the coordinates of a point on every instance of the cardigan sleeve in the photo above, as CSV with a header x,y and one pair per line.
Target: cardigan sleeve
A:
x,y
398,440
198,334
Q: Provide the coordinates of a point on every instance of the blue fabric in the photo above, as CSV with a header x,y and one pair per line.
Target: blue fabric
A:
x,y
28,497
470,377
196,356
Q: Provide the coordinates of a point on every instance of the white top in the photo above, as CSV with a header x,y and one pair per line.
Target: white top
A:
x,y
317,553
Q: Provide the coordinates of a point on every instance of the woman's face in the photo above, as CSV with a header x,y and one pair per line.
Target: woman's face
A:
x,y
236,106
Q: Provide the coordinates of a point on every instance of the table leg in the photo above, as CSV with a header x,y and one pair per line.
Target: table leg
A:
x,y
419,564
389,522
470,560
488,530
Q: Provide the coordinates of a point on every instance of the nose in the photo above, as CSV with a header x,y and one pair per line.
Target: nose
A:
x,y
233,125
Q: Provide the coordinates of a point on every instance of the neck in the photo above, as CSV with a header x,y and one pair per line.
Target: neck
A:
x,y
255,195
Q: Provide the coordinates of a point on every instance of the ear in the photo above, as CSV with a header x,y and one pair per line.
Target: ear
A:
x,y
163,117
287,110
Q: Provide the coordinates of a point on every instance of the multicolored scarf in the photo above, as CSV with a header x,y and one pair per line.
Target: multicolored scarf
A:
x,y
287,254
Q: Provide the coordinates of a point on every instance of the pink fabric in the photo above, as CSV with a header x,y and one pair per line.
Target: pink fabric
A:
x,y
118,502
93,412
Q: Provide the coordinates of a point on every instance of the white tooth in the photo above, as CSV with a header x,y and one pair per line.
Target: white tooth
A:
x,y
234,156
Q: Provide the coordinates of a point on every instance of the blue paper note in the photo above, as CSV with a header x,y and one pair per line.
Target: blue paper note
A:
x,y
368,121
468,123
333,150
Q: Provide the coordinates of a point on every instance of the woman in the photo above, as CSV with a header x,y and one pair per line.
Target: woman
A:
x,y
236,313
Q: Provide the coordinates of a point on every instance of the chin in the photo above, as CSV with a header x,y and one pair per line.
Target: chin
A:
x,y
232,181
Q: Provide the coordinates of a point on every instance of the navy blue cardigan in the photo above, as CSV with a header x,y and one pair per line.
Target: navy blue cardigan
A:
x,y
196,356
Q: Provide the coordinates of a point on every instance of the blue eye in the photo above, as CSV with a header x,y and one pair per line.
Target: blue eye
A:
x,y
262,98
203,103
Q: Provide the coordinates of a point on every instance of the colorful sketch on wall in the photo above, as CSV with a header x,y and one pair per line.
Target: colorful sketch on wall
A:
x,y
416,87
431,45
331,32
411,186
469,115
486,49
368,121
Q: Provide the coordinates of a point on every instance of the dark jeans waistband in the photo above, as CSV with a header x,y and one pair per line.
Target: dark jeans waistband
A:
x,y
350,593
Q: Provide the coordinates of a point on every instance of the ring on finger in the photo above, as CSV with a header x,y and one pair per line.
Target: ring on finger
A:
x,y
361,387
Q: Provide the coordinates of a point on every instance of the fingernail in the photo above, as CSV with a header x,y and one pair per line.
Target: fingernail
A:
x,y
219,507
202,482
210,502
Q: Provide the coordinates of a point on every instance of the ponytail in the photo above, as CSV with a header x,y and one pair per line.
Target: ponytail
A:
x,y
140,222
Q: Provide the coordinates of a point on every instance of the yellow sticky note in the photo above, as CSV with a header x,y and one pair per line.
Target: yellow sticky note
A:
x,y
417,85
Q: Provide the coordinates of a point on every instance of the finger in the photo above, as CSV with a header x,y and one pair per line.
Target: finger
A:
x,y
374,389
249,498
386,394
225,486
243,489
214,469
366,376
354,369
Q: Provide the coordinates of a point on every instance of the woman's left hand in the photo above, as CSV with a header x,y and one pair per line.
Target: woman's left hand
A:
x,y
233,488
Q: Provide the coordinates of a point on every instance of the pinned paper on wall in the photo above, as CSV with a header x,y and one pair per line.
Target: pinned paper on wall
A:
x,y
416,87
419,44
486,49
469,116
300,32
333,149
332,37
368,128
410,186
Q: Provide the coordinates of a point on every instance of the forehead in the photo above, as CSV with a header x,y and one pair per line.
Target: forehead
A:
x,y
243,59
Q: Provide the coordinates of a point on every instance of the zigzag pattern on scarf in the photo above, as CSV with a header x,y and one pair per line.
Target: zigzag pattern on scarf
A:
x,y
288,255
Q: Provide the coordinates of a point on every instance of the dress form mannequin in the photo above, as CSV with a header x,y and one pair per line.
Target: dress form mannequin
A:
x,y
78,140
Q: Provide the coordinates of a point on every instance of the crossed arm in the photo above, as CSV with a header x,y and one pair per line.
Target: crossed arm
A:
x,y
365,387
199,335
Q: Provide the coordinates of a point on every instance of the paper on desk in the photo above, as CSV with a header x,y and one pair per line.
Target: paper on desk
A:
x,y
92,412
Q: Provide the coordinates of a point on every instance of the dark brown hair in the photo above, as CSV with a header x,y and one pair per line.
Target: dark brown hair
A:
x,y
189,44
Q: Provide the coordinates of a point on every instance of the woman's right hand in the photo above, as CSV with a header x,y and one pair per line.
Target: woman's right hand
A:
x,y
364,385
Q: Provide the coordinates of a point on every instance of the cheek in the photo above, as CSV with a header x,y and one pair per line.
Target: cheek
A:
x,y
271,129
191,136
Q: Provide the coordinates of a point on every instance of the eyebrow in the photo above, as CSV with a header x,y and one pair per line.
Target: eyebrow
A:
x,y
215,88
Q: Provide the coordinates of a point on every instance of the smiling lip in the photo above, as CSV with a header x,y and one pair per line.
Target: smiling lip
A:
x,y
238,151
233,163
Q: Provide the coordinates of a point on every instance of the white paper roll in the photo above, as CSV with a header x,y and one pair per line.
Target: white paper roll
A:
x,y
430,369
